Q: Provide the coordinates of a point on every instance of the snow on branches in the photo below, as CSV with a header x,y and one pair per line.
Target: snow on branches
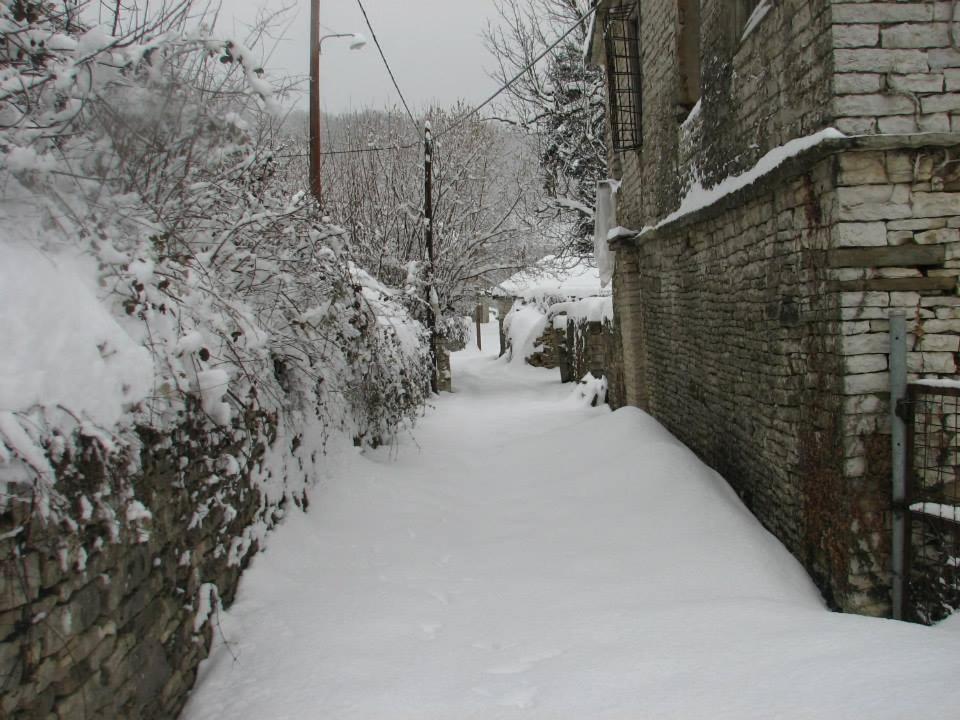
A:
x,y
168,267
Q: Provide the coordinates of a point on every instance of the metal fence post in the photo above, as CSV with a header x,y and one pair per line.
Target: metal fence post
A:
x,y
898,393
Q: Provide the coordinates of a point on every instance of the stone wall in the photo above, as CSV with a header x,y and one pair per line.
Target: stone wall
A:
x,y
758,92
897,246
762,89
863,67
104,614
546,353
584,347
730,341
756,331
897,70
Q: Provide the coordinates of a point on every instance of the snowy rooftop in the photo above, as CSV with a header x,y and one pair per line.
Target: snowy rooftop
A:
x,y
553,276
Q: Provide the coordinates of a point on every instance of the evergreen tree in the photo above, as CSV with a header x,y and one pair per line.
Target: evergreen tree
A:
x,y
561,100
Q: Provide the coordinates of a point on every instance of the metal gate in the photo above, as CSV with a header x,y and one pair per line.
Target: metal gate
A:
x,y
932,512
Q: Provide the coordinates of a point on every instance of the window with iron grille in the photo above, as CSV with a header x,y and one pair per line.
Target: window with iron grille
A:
x,y
623,75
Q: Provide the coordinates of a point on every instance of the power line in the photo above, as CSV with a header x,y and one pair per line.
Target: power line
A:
x,y
387,65
516,77
372,149
355,151
466,116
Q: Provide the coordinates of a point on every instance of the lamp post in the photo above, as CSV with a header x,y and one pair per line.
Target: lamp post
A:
x,y
316,41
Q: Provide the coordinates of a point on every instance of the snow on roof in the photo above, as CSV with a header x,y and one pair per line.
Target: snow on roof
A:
x,y
590,309
556,277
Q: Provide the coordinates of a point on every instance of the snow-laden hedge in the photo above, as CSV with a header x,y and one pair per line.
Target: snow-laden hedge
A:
x,y
156,261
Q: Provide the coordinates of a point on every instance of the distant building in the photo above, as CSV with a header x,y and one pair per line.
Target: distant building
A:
x,y
790,176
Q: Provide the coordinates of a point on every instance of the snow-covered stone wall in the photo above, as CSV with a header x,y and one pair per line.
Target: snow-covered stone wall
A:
x,y
108,613
756,330
576,336
752,317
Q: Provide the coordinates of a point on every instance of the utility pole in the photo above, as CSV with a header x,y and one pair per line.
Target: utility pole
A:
x,y
432,300
316,187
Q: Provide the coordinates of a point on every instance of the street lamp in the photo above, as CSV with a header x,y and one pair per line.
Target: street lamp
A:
x,y
358,40
316,187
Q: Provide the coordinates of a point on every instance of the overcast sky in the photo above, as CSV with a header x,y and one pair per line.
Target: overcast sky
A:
x,y
433,46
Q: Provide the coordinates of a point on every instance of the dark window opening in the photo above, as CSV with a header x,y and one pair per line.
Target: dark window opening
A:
x,y
688,56
623,75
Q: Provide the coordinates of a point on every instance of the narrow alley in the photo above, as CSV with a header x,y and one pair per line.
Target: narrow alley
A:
x,y
526,555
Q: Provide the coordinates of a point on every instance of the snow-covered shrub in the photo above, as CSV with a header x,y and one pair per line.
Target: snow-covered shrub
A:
x,y
184,340
456,331
143,168
524,328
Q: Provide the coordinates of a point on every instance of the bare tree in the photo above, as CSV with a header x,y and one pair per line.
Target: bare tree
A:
x,y
484,187
561,101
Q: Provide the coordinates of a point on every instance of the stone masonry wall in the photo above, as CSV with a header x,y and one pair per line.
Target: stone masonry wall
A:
x,y
756,331
758,92
739,354
897,246
583,347
106,615
761,90
897,69
546,353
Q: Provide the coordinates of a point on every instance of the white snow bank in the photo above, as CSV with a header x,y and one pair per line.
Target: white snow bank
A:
x,y
589,392
937,382
949,512
554,277
698,197
523,326
61,345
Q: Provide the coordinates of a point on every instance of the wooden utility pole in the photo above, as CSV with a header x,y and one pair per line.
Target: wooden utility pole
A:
x,y
432,301
316,185
477,317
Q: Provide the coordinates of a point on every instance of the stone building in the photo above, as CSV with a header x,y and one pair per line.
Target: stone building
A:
x,y
790,173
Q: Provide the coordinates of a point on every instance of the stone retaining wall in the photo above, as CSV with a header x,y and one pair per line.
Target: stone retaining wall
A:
x,y
584,347
106,615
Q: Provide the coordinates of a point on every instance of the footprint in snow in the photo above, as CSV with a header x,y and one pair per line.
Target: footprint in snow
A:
x,y
522,664
439,596
430,630
521,698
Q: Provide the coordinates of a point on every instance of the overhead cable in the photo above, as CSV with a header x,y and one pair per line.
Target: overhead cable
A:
x,y
504,87
387,65
467,115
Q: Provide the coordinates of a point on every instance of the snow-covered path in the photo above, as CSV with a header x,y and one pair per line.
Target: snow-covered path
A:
x,y
528,557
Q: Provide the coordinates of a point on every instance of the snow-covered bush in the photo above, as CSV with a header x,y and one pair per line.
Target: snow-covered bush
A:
x,y
142,168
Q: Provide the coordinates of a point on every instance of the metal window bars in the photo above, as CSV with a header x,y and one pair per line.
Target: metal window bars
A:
x,y
933,502
623,76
